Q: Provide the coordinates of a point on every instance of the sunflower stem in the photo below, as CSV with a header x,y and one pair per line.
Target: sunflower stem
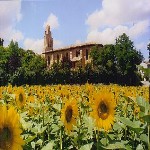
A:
x,y
97,137
106,138
126,117
148,136
43,116
43,122
48,133
80,124
61,128
61,138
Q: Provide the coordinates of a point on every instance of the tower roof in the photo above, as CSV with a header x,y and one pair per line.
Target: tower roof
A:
x,y
47,29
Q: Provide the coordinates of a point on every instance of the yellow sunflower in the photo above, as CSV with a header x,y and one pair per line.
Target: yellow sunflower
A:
x,y
31,99
20,97
10,138
69,114
136,110
1,93
103,106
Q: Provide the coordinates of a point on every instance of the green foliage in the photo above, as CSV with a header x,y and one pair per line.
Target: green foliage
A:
x,y
117,63
14,61
33,67
127,58
18,66
110,64
148,46
4,54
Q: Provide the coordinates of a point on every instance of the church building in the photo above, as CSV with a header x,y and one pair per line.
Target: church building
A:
x,y
77,54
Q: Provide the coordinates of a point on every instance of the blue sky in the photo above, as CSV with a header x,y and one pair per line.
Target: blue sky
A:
x,y
75,22
71,17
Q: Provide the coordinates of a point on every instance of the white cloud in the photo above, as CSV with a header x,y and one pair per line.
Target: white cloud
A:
x,y
10,14
139,28
119,12
118,17
52,20
16,35
37,45
108,35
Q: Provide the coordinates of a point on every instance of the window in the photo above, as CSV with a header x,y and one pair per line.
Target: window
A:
x,y
86,54
57,58
48,60
66,55
77,53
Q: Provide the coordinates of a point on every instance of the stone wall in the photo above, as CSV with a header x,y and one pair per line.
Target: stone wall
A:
x,y
77,54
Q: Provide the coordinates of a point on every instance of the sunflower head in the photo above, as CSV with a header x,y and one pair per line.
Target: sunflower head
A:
x,y
69,114
20,97
5,138
10,138
136,110
1,94
103,110
103,106
31,99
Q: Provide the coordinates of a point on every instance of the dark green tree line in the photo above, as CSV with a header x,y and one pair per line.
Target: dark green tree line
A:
x,y
110,64
18,66
118,63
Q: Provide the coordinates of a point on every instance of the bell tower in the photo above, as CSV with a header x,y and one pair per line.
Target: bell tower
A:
x,y
48,40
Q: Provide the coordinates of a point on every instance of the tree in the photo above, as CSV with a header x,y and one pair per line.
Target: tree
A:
x,y
14,60
127,58
95,54
32,67
18,66
10,62
117,63
104,62
4,55
148,48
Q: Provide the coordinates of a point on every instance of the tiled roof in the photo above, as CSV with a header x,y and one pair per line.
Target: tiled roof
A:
x,y
72,46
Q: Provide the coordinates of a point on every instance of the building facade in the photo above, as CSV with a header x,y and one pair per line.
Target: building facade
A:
x,y
77,54
144,66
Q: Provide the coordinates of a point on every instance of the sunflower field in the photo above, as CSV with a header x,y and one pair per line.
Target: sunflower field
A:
x,y
74,117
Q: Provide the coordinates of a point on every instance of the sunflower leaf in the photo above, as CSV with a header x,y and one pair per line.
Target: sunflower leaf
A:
x,y
33,145
86,146
55,128
117,145
49,146
139,147
144,105
30,138
117,126
146,118
144,138
135,125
